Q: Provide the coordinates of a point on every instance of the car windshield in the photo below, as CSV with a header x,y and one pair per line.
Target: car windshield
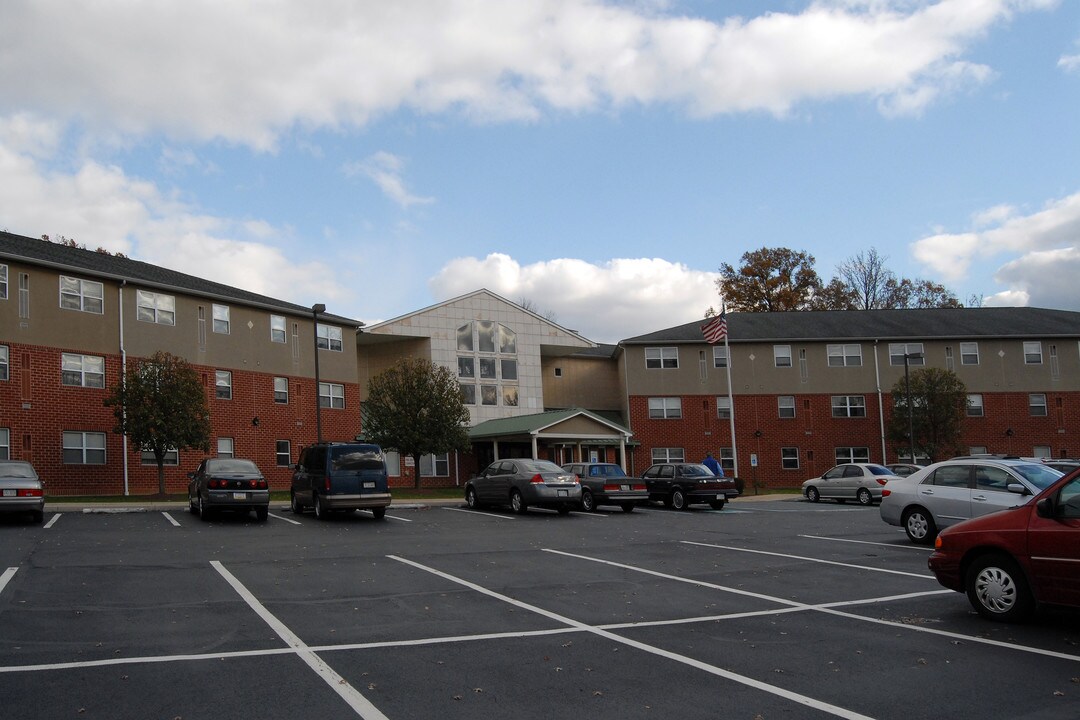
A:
x,y
1040,476
231,465
357,457
17,470
539,466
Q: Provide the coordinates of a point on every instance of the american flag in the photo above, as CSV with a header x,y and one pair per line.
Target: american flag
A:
x,y
716,329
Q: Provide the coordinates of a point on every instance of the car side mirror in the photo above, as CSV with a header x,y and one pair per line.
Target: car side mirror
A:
x,y
1017,488
1045,508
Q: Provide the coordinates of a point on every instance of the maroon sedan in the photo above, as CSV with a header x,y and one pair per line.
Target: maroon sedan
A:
x,y
1011,561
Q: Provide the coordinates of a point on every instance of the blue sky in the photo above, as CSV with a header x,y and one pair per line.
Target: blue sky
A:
x,y
598,159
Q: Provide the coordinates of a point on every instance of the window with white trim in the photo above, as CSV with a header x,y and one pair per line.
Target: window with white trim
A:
x,y
668,455
329,337
848,406
1033,353
468,394
466,367
510,396
723,408
975,405
281,390
785,406
845,355
969,353
1037,404
1041,451
489,394
487,368
719,356
84,448
781,355
897,351
5,363
223,385
435,465
82,370
277,329
3,282
509,369
393,462
155,308
226,447
222,323
662,358
84,295
332,395
171,457
665,408
852,455
283,453
789,458
24,296
727,461
5,443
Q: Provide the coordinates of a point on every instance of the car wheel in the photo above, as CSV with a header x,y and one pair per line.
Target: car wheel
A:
x,y
812,494
588,502
517,503
717,504
628,507
204,512
678,499
997,589
320,511
919,526
261,514
294,504
864,497
470,498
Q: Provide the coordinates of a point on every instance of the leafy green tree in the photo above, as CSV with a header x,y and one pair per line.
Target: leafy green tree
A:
x,y
160,404
939,406
770,280
415,408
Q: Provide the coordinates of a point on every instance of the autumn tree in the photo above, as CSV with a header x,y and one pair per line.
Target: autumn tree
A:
x,y
160,404
770,280
415,408
937,412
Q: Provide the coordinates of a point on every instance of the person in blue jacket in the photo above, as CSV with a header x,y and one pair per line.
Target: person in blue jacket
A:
x,y
712,463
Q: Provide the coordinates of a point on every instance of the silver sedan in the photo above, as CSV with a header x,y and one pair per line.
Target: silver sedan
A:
x,y
521,483
861,482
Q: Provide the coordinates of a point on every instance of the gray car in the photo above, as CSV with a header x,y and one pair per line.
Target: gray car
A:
x,y
521,483
861,482
229,484
948,492
21,490
608,484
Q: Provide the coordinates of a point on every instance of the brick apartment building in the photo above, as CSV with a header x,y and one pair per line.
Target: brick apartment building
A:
x,y
808,389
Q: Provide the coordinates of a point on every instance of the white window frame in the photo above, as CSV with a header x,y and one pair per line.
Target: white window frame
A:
x,y
489,395
77,441
287,453
1037,406
155,307
667,455
975,405
223,385
468,393
897,351
662,358
393,462
511,365
82,370
332,396
435,465
222,324
781,355
278,326
841,355
5,363
785,406
969,353
3,282
226,447
81,294
1042,451
852,455
172,457
665,408
328,337
1033,352
789,458
510,395
281,390
848,406
723,407
720,356
5,443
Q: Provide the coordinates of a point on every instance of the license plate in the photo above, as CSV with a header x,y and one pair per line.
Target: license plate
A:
x,y
239,496
624,487
721,496
564,493
10,493
369,486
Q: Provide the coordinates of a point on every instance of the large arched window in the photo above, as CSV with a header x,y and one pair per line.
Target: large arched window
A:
x,y
487,357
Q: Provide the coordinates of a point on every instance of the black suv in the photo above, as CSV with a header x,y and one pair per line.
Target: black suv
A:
x,y
339,476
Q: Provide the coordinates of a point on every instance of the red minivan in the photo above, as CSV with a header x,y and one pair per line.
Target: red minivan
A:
x,y
1011,561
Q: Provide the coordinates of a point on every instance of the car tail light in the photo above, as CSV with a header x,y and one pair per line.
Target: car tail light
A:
x,y
886,493
259,484
214,483
326,484
639,487
30,492
537,479
611,488
881,481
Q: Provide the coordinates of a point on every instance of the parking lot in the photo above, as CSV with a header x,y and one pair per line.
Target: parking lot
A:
x,y
763,610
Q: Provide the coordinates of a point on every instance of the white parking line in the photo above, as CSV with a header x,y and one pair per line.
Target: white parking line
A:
x,y
706,667
6,577
867,542
170,519
288,520
480,512
52,521
363,707
810,559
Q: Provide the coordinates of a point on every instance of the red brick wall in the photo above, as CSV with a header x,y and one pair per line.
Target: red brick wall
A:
x,y
38,409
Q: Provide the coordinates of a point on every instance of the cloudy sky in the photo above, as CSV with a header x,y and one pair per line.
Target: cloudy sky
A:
x,y
598,159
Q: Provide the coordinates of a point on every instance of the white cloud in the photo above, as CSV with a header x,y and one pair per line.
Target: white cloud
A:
x,y
608,302
385,170
1069,63
246,72
1042,249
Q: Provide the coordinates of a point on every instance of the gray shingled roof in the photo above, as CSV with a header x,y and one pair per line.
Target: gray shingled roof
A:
x,y
103,265
951,323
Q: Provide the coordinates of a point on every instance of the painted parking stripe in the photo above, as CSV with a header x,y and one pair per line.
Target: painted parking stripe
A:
x,y
171,519
810,559
706,667
867,542
52,521
480,512
288,520
363,707
5,578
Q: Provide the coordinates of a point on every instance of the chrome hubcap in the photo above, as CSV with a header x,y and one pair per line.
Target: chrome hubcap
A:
x,y
917,526
995,589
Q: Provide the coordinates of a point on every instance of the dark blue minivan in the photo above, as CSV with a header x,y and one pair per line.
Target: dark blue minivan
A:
x,y
338,477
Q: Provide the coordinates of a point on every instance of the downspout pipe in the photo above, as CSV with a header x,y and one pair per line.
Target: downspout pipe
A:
x,y
123,379
880,402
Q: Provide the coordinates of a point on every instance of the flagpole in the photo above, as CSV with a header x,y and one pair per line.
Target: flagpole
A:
x,y
731,411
